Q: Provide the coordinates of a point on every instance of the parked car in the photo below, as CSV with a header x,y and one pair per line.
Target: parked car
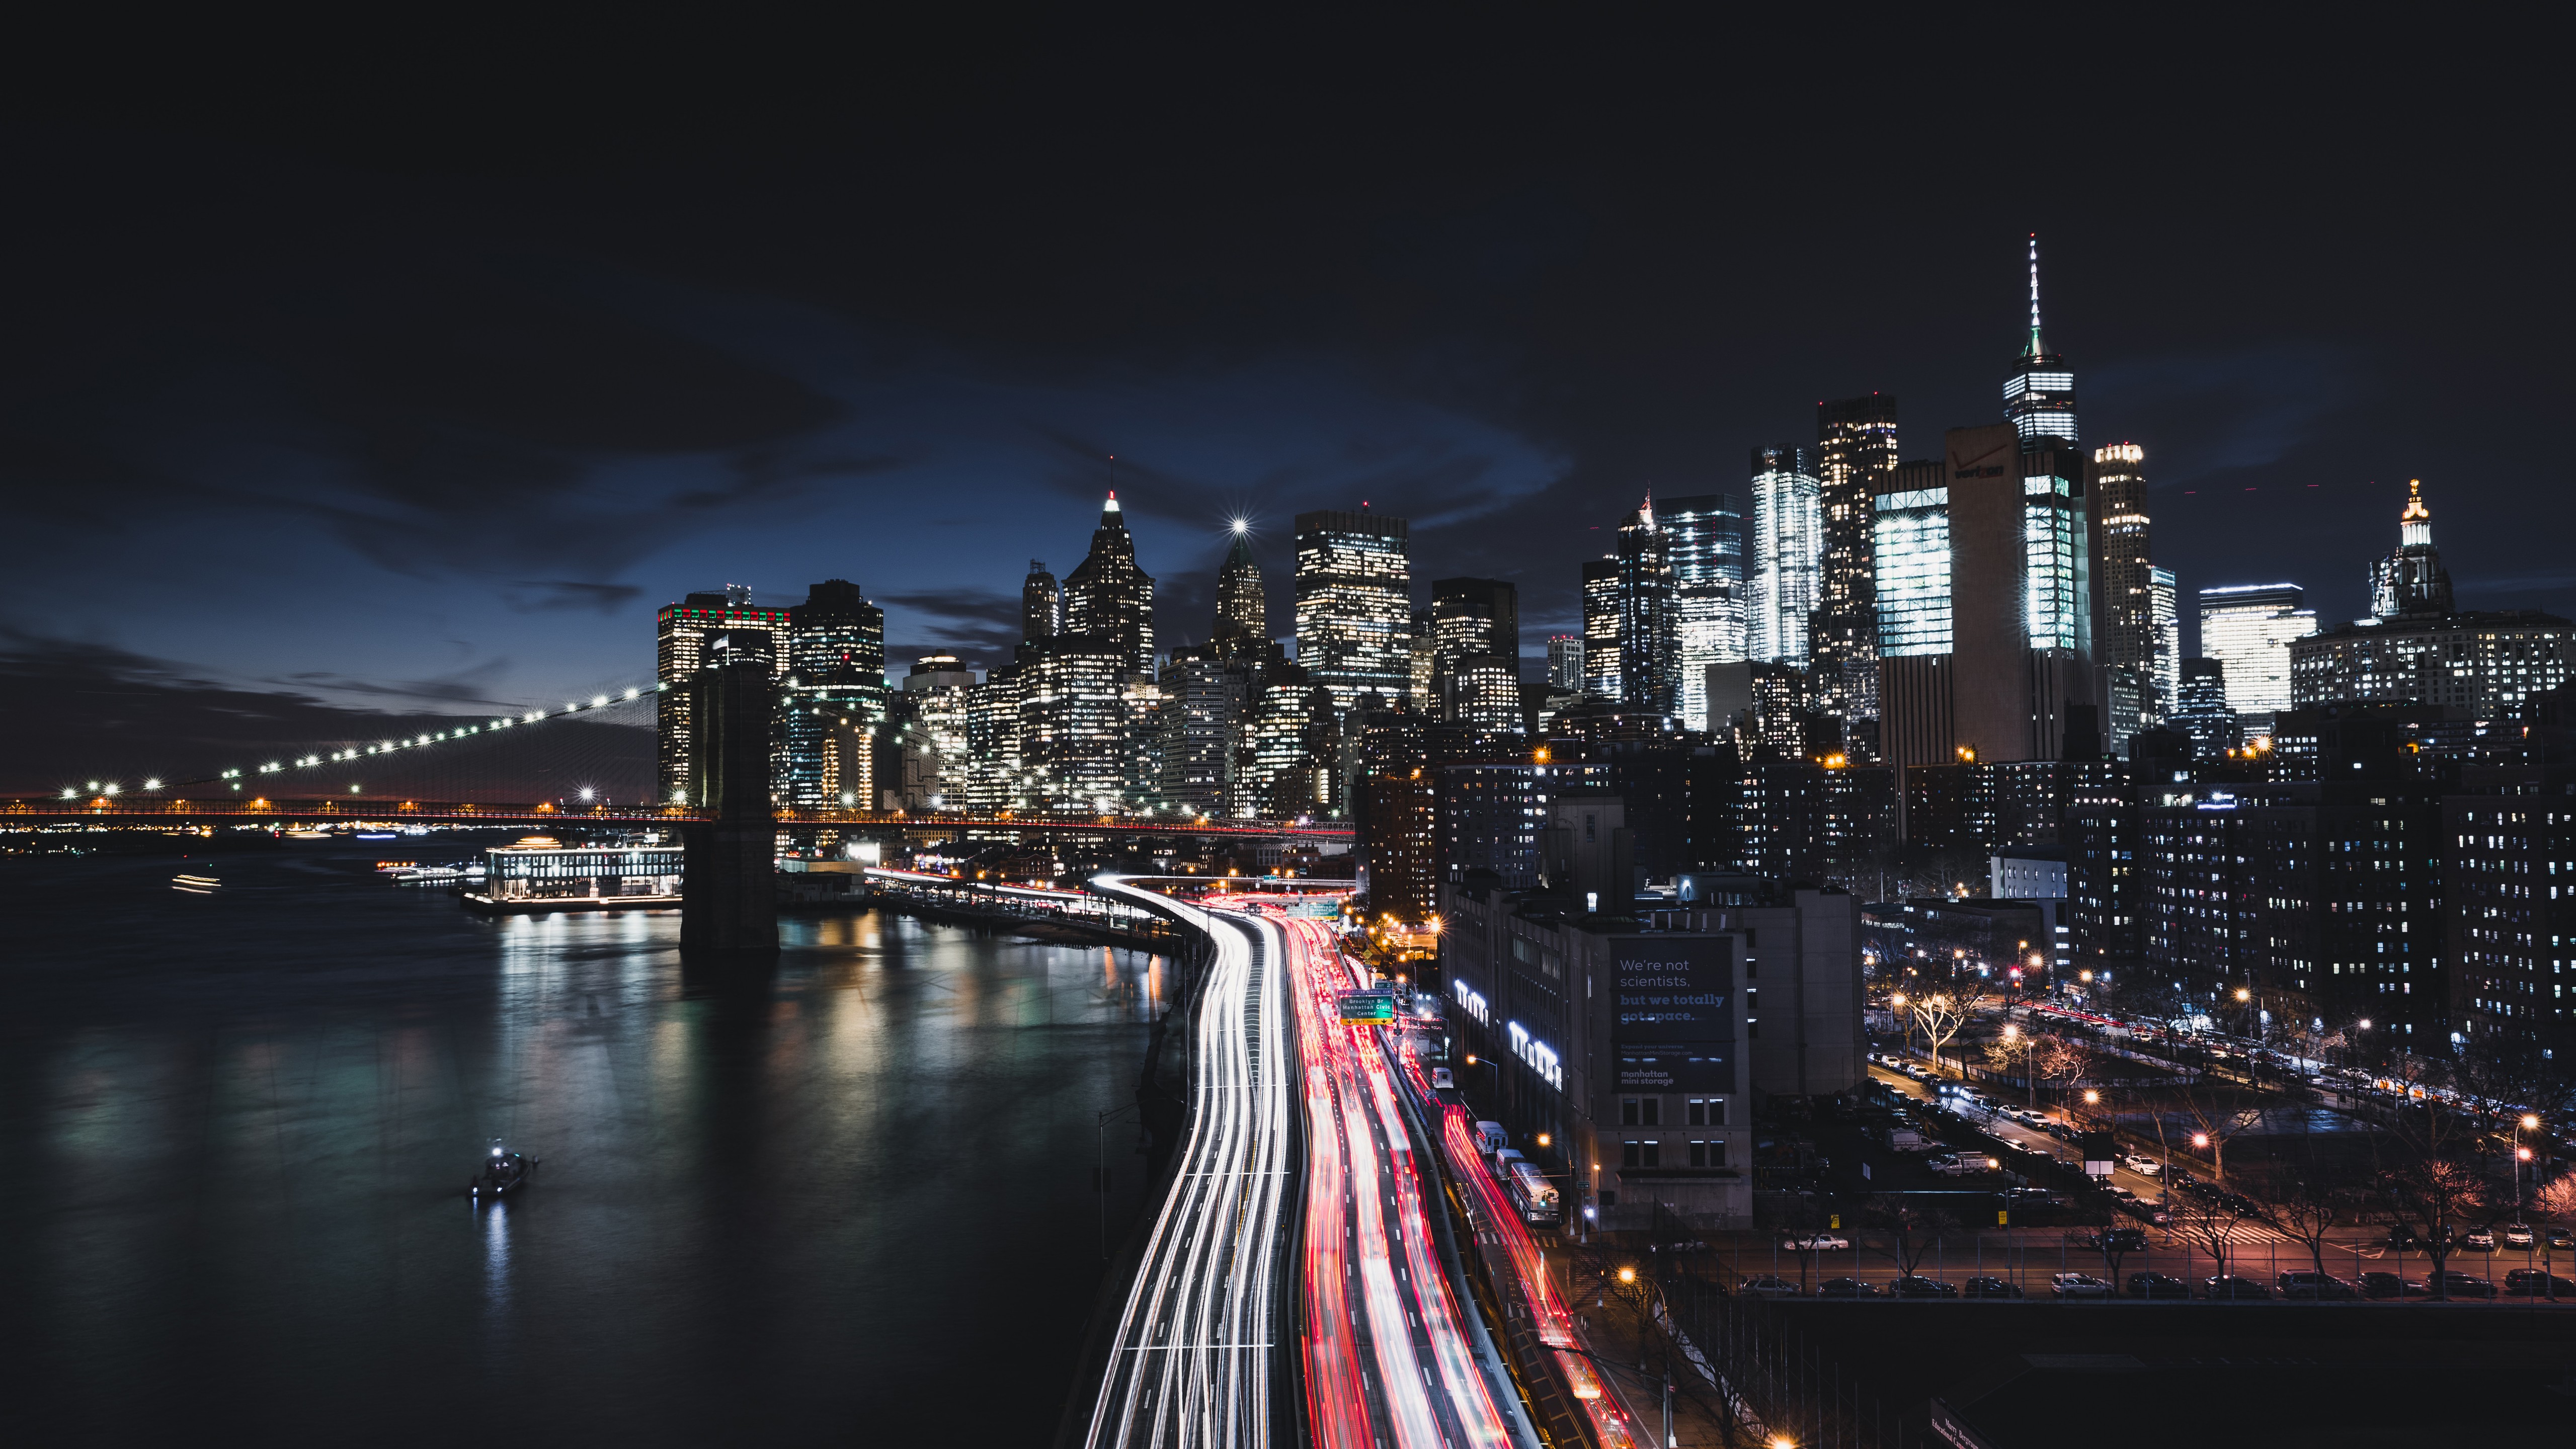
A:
x,y
2152,1212
1849,1288
1817,1243
2403,1239
2558,1238
1955,1164
2229,1286
2535,1283
2112,1240
2447,1284
1770,1285
2157,1285
1919,1286
2389,1285
2316,1287
2479,1240
2515,1235
2078,1285
1989,1288
2142,1166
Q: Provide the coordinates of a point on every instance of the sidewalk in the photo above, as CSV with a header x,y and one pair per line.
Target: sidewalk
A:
x,y
1605,1334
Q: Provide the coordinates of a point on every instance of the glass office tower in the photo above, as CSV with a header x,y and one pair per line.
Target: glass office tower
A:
x,y
1705,541
1355,606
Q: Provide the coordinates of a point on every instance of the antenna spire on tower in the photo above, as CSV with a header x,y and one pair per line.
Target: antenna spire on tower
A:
x,y
2035,349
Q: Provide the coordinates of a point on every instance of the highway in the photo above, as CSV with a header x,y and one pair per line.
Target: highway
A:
x,y
1389,1354
1191,1360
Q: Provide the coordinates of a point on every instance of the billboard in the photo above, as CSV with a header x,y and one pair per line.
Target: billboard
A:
x,y
1674,999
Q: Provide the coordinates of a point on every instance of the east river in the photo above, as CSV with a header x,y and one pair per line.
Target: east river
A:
x,y
850,1203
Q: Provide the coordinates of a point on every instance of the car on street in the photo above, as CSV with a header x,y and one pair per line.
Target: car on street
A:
x,y
2157,1285
1983,1287
1769,1285
1441,1081
1961,1164
2078,1285
2515,1235
1849,1288
2403,1239
2389,1285
1817,1243
1919,1286
2229,1286
2316,1287
2447,1284
2151,1212
2142,1166
2559,1237
2536,1283
2479,1240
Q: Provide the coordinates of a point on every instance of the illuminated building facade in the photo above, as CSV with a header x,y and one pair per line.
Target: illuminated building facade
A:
x,y
1203,716
1475,630
2511,939
1296,746
834,701
2416,647
1073,731
993,773
2166,611
1649,620
1856,460
1704,536
680,633
2248,628
1108,597
1242,629
1601,628
938,749
2130,639
1355,606
2201,711
1565,663
1788,555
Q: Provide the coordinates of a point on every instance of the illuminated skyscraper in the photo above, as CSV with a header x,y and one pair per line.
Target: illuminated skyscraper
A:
x,y
681,632
1041,605
1855,462
1649,621
2167,613
1984,601
1706,543
1242,617
1074,741
1355,606
835,700
1108,597
1565,663
2411,583
2127,572
2247,628
1475,651
1205,711
1601,628
1788,555
2039,396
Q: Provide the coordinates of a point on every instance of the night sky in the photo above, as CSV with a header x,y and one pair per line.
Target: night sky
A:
x,y
414,381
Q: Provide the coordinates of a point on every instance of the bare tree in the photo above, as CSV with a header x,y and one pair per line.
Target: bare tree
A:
x,y
2207,1221
2556,1199
1912,1232
2431,1195
2305,1206
2217,1110
1943,1014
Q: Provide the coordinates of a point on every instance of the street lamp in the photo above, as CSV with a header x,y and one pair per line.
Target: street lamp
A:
x,y
2030,1048
2521,1155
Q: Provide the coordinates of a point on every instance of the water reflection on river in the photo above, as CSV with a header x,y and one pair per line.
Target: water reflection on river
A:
x,y
849,1203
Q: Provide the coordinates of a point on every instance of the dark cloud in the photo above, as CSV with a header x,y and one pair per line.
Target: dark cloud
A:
x,y
537,597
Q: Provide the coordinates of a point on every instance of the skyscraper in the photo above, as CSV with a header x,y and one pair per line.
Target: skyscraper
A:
x,y
1475,651
1706,544
2166,611
1072,722
2039,396
1355,606
1108,597
1601,627
1984,601
1205,709
1855,462
2411,583
2201,709
2123,563
681,632
1649,624
1242,617
1041,605
2248,629
835,700
1788,555
1565,663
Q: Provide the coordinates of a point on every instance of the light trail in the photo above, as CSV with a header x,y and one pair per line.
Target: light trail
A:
x,y
1190,1363
1376,1296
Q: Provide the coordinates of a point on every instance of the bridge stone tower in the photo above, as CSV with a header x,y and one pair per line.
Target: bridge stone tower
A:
x,y
729,896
